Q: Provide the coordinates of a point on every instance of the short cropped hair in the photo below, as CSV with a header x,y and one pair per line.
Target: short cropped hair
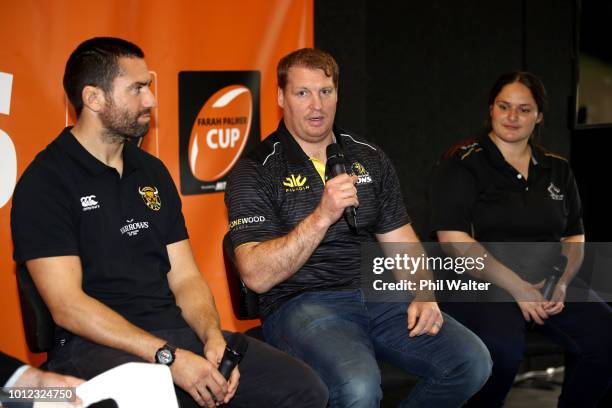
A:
x,y
95,62
311,58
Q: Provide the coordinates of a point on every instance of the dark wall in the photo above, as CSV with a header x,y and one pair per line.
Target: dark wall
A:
x,y
340,28
415,75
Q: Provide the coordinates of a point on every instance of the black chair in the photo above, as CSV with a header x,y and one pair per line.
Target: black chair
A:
x,y
245,302
396,383
37,321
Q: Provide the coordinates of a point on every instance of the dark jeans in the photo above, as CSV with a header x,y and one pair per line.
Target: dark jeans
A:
x,y
340,335
268,377
583,329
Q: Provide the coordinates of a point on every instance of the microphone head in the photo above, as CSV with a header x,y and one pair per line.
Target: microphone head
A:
x,y
238,343
333,150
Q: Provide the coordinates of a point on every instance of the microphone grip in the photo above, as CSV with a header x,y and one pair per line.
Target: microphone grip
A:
x,y
337,167
350,215
549,286
230,360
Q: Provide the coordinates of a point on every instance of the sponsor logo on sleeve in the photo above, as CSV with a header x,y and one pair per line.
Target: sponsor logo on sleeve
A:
x,y
245,222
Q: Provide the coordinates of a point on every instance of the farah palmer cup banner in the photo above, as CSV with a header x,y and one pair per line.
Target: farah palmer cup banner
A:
x,y
487,272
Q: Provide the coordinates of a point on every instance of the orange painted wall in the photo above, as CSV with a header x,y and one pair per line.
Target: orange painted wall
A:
x,y
36,38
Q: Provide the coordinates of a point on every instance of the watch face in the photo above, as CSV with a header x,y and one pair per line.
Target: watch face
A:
x,y
164,356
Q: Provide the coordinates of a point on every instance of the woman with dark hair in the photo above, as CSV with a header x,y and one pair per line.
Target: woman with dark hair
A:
x,y
502,188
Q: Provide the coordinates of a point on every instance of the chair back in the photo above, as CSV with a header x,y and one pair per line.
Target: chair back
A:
x,y
37,321
245,302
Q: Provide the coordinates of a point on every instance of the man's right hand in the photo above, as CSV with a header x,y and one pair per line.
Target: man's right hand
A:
x,y
340,192
199,377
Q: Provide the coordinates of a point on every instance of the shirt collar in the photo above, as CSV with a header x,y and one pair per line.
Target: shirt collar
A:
x,y
538,154
71,145
131,159
295,153
496,158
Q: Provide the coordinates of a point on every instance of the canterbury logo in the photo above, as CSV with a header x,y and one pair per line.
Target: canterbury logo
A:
x,y
89,203
294,181
220,132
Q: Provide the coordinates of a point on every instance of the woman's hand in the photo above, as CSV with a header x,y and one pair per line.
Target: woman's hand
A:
x,y
531,302
556,303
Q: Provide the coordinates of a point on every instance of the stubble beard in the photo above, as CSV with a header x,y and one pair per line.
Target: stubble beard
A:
x,y
119,125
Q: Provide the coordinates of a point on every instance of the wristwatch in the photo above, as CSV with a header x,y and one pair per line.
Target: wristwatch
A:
x,y
165,355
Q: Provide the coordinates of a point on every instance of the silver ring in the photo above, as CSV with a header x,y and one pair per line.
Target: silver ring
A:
x,y
438,325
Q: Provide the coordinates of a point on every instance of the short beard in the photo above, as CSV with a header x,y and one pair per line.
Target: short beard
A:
x,y
120,126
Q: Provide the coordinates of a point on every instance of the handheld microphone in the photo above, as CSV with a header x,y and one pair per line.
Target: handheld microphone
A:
x,y
234,352
336,165
551,281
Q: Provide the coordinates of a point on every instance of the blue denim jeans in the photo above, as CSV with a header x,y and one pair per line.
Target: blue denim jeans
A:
x,y
340,335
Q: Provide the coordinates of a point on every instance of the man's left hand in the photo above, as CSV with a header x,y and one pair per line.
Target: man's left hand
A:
x,y
424,318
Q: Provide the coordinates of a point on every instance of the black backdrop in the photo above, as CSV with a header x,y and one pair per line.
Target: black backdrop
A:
x,y
414,78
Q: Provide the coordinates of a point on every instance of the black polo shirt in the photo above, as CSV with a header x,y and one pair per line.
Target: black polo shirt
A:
x,y
476,191
67,202
277,185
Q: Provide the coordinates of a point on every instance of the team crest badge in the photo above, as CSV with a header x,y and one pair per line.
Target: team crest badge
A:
x,y
363,177
150,196
555,192
358,169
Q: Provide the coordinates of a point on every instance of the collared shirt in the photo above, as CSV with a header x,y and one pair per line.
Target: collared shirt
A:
x,y
477,191
277,185
67,202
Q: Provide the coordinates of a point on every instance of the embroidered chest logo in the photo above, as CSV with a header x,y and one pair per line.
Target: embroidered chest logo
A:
x,y
295,183
554,192
132,228
89,203
363,177
150,196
